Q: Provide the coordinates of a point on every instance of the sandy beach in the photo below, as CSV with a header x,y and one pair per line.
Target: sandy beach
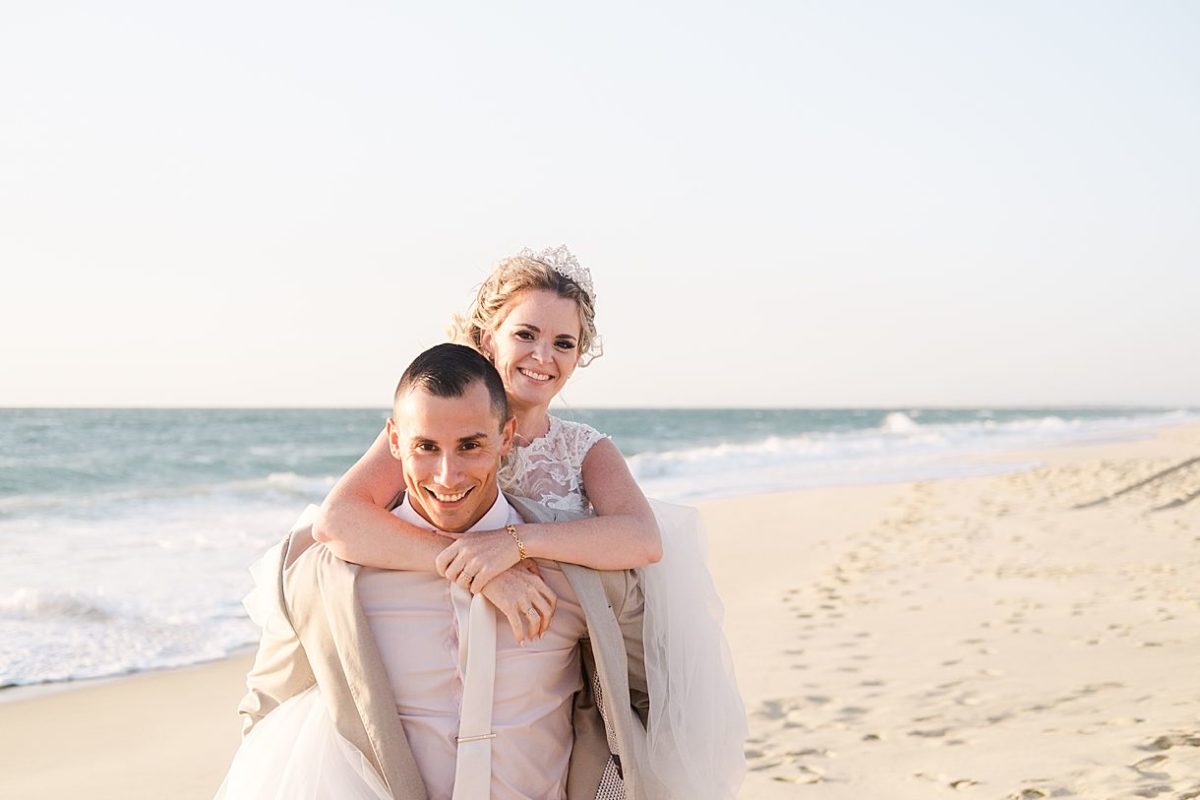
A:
x,y
1035,634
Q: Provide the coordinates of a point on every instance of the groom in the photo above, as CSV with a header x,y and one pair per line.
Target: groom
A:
x,y
416,672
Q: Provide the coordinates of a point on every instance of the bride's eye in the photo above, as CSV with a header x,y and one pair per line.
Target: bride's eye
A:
x,y
565,344
525,336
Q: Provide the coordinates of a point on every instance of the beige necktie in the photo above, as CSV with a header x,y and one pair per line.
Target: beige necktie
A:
x,y
477,663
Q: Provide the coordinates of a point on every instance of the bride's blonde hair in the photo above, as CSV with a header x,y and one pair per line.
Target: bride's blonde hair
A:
x,y
511,277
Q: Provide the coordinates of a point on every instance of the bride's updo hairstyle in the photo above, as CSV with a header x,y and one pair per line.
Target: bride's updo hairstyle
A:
x,y
524,272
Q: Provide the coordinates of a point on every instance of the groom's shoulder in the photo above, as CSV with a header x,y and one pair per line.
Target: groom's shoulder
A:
x,y
303,553
533,511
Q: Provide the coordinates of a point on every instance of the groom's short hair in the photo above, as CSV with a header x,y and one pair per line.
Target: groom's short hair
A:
x,y
446,370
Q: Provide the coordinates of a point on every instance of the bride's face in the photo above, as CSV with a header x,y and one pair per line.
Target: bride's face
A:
x,y
536,346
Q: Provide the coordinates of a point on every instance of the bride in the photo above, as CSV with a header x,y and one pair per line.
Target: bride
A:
x,y
534,319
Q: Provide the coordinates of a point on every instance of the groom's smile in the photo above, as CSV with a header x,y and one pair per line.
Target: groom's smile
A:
x,y
448,498
447,502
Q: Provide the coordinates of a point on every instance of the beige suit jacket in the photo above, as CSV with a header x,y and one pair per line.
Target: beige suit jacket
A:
x,y
325,639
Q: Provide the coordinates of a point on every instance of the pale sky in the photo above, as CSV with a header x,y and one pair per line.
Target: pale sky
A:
x,y
783,204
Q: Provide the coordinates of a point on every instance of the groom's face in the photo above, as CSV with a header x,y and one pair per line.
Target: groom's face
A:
x,y
450,448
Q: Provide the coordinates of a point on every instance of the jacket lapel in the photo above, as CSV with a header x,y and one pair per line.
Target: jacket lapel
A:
x,y
360,698
598,593
612,665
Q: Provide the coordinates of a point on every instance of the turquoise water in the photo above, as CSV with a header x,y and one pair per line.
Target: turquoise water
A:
x,y
125,534
81,453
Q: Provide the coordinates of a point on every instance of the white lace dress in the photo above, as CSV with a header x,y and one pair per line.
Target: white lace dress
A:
x,y
697,727
550,468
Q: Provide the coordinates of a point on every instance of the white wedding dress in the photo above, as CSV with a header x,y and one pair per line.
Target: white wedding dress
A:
x,y
697,725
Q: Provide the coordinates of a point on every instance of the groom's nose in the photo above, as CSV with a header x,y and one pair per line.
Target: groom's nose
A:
x,y
448,471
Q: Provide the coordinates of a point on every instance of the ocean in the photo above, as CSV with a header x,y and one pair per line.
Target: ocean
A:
x,y
125,535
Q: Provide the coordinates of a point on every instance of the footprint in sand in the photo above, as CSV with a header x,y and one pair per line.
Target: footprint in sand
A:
x,y
776,709
805,775
930,733
1167,741
1149,767
932,777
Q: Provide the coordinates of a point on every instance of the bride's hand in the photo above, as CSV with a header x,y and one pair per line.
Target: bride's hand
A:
x,y
473,560
525,600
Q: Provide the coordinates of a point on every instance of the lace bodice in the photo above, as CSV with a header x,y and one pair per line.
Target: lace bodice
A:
x,y
550,468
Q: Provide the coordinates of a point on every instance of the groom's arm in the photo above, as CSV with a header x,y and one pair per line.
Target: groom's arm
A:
x,y
281,669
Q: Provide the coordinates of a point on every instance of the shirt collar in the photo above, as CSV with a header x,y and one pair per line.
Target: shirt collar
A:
x,y
496,517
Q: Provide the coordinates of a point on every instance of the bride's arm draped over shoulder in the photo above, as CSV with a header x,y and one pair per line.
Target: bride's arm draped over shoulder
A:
x,y
356,526
623,534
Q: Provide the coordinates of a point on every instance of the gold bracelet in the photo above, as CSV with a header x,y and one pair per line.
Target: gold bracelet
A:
x,y
512,531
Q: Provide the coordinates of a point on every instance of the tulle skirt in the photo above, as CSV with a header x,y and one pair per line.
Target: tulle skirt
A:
x,y
296,753
697,729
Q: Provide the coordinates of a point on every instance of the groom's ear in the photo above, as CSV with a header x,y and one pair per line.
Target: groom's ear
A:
x,y
393,436
507,431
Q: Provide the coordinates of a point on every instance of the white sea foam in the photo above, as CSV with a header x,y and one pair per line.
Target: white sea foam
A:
x,y
299,484
131,586
899,422
280,483
901,448
33,604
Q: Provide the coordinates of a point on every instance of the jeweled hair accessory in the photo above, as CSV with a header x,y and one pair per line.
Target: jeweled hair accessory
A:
x,y
562,261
